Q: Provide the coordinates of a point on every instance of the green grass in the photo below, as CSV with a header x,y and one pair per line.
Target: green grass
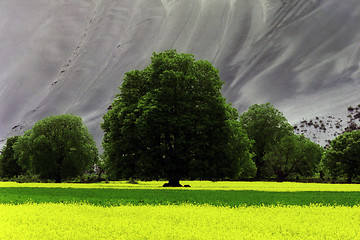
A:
x,y
220,194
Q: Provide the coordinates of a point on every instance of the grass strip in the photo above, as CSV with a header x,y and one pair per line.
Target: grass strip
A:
x,y
232,198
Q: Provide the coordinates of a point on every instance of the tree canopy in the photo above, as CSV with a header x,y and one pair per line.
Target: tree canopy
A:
x,y
294,155
266,126
342,158
170,121
57,147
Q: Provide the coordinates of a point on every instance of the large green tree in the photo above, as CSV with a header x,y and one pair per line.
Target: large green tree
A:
x,y
9,166
342,158
57,147
266,126
294,155
171,121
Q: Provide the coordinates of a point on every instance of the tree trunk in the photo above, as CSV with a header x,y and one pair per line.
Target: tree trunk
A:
x,y
173,183
349,178
58,179
58,173
280,178
260,166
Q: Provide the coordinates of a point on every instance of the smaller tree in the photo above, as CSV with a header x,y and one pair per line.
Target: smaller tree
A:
x,y
266,126
57,147
9,166
239,148
342,158
22,148
294,155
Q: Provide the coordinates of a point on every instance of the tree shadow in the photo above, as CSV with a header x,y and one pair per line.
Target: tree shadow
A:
x,y
232,198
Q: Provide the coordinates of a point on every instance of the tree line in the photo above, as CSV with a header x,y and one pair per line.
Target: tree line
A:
x,y
170,121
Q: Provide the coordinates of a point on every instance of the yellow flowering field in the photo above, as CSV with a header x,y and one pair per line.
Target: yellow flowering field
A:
x,y
202,185
81,221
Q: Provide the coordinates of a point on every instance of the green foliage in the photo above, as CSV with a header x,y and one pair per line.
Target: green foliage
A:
x,y
9,166
266,126
171,121
342,158
57,147
293,156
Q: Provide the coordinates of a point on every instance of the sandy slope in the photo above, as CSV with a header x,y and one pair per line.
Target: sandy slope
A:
x,y
70,56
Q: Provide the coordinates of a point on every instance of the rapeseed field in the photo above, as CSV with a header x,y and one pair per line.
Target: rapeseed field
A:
x,y
78,221
112,211
202,185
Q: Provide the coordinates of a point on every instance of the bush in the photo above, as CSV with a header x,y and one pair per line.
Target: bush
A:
x,y
88,178
30,178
